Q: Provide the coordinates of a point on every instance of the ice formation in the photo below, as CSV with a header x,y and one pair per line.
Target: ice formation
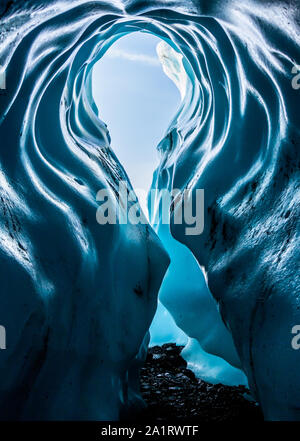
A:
x,y
184,290
77,299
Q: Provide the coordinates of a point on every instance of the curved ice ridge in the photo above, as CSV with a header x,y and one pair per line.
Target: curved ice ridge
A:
x,y
77,299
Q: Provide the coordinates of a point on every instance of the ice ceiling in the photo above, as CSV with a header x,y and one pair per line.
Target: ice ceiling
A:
x,y
77,298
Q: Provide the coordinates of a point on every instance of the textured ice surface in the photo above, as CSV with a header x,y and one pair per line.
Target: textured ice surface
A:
x,y
76,298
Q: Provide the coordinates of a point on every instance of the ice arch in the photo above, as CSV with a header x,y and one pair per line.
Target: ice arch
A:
x,y
186,307
237,137
137,101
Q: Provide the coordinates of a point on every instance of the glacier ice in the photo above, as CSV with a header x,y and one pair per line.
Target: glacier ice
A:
x,y
185,294
76,324
184,290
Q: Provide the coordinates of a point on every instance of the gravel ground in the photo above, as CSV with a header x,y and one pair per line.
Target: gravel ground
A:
x,y
172,392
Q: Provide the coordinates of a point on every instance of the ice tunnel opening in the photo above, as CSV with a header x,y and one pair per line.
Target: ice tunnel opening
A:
x,y
137,99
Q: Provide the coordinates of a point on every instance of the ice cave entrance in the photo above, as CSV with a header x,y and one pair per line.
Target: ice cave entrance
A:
x,y
137,101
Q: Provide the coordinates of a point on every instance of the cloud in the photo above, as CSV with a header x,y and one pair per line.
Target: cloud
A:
x,y
140,58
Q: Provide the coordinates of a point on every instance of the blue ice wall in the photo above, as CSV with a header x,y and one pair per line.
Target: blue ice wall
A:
x,y
77,299
237,137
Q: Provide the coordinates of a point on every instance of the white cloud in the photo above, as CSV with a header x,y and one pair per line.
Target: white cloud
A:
x,y
146,59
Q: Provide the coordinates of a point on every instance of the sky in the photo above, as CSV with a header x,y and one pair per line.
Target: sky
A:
x,y
137,101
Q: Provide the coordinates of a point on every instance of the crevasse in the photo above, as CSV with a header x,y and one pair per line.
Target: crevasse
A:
x,y
77,298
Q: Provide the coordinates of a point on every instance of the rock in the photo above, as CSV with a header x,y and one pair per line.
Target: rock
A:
x,y
172,392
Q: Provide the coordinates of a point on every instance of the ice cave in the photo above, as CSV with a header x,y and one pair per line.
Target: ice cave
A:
x,y
81,300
